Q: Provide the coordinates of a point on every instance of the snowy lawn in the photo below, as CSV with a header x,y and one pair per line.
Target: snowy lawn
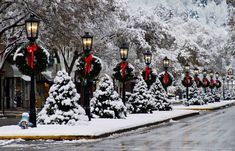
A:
x,y
95,127
209,106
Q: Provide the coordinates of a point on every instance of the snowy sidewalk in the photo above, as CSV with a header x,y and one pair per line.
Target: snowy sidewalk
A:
x,y
94,129
209,106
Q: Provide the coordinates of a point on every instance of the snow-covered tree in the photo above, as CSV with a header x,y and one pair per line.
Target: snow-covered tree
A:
x,y
159,97
61,107
195,96
140,99
106,102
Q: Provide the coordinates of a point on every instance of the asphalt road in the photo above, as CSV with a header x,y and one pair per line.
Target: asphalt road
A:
x,y
213,131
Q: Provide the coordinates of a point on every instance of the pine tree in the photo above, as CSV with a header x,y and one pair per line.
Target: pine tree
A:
x,y
62,106
195,96
106,102
159,96
140,100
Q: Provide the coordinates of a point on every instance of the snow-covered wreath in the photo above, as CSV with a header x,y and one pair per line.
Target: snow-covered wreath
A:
x,y
148,75
166,79
187,81
31,58
124,71
89,66
218,84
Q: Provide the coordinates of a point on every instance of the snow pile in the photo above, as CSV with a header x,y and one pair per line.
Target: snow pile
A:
x,y
106,102
62,106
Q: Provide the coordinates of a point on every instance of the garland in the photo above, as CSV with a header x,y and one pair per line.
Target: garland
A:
x,y
166,79
149,76
123,72
187,81
88,67
205,82
31,58
218,84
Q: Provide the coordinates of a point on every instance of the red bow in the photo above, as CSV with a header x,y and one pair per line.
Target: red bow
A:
x,y
123,66
166,78
88,64
147,72
217,82
205,81
187,79
196,80
31,49
212,83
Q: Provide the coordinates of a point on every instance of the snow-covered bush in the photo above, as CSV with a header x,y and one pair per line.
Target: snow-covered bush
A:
x,y
106,102
159,97
62,106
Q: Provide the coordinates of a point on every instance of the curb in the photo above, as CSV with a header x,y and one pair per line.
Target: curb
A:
x,y
77,137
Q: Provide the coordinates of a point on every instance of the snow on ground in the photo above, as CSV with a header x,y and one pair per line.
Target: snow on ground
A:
x,y
95,127
208,106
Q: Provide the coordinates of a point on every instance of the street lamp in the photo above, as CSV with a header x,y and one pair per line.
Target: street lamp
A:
x,y
196,79
165,80
187,67
124,55
147,58
31,27
223,78
166,63
87,41
211,82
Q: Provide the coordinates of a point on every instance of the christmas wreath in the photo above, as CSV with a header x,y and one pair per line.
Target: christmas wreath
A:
x,y
149,76
212,84
198,82
205,82
187,81
218,84
31,58
166,79
89,67
123,71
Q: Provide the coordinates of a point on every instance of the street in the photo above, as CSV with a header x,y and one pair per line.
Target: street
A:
x,y
210,131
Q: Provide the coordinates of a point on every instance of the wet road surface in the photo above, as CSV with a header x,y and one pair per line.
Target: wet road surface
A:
x,y
213,131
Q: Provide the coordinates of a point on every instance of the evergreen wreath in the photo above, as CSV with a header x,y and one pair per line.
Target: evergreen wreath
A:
x,y
166,79
205,82
28,63
123,71
218,84
150,77
187,81
89,66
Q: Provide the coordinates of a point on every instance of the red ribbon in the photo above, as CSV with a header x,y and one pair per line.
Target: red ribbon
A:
x,y
123,66
31,49
205,81
166,78
88,64
196,79
147,72
212,83
187,79
217,83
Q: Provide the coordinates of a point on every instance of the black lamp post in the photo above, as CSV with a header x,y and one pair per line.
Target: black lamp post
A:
x,y
124,55
196,72
187,67
232,81
87,41
211,82
148,60
228,82
31,26
223,78
165,66
204,72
